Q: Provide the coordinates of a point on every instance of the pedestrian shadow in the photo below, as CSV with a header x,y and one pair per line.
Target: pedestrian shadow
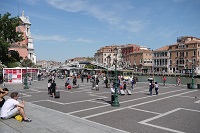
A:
x,y
102,100
148,94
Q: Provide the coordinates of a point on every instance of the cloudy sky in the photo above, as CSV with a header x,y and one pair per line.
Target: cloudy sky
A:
x,y
64,29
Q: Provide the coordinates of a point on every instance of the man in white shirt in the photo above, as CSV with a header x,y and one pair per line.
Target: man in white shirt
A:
x,y
12,108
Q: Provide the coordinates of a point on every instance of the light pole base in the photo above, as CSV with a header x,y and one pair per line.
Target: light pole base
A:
x,y
115,102
26,87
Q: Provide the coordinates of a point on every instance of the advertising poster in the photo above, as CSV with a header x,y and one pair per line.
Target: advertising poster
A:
x,y
15,75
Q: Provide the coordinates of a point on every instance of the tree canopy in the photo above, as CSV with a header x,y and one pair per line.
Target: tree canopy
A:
x,y
9,35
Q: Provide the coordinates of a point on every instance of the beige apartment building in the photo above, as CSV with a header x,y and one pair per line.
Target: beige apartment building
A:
x,y
161,60
185,55
106,55
141,61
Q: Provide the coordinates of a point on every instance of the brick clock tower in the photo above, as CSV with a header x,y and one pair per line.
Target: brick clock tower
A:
x,y
25,47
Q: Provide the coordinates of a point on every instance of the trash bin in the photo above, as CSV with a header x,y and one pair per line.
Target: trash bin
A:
x,y
198,86
189,85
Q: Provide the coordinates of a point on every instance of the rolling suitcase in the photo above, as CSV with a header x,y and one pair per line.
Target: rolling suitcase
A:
x,y
57,94
77,86
121,92
129,92
97,87
69,87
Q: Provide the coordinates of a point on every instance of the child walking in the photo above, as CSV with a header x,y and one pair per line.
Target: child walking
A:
x,y
156,88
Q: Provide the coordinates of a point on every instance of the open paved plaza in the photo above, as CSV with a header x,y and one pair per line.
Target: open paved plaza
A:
x,y
175,110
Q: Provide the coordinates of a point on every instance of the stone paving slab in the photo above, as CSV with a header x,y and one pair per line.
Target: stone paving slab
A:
x,y
138,113
50,121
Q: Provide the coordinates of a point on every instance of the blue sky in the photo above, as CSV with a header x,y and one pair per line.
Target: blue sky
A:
x,y
64,29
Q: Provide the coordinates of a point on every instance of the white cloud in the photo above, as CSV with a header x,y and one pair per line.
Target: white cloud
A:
x,y
69,5
179,0
30,2
133,26
112,13
86,7
56,38
81,40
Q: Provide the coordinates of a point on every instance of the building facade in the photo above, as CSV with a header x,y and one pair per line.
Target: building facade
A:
x,y
106,55
185,55
181,57
161,60
25,47
127,49
141,61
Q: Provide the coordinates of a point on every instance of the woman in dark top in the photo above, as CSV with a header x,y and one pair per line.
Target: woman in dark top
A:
x,y
74,82
53,88
3,92
97,81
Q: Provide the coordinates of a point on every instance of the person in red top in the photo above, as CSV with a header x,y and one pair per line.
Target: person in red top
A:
x,y
164,80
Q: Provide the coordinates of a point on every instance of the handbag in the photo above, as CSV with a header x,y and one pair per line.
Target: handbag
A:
x,y
19,118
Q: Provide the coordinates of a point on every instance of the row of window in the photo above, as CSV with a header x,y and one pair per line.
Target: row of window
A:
x,y
182,61
161,54
182,54
181,45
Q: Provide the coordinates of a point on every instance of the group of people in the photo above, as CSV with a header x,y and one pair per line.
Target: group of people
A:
x,y
153,85
74,83
123,84
95,82
11,107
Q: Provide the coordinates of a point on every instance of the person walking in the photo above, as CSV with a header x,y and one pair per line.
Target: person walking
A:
x,y
151,86
67,82
12,108
106,82
49,87
53,88
74,81
133,83
30,80
156,88
124,86
97,81
4,80
82,78
93,82
88,77
164,80
178,81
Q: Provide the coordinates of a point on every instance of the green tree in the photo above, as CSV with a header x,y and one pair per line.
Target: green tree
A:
x,y
9,35
14,59
27,63
90,66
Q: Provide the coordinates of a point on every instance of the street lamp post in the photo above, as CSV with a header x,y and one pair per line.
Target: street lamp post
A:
x,y
115,102
108,60
26,79
192,83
